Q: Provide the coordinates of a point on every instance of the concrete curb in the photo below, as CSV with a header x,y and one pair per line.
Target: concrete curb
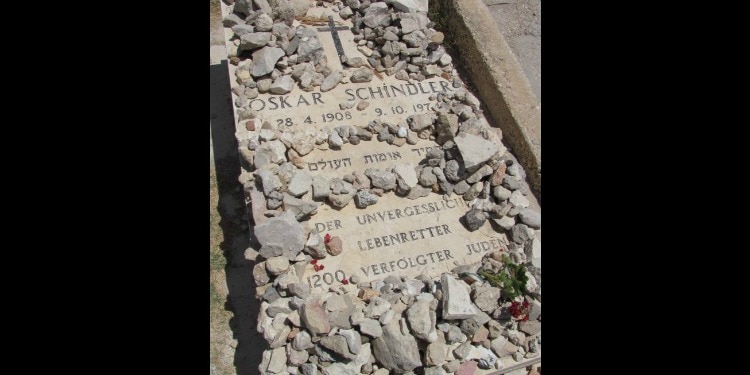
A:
x,y
498,77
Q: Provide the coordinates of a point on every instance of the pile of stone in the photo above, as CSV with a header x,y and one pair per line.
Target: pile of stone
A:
x,y
273,56
471,161
395,325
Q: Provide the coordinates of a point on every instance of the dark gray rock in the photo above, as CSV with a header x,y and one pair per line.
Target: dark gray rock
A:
x,y
454,171
338,345
377,14
382,179
475,218
365,198
363,74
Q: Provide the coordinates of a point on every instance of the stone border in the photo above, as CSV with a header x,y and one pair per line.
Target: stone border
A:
x,y
499,79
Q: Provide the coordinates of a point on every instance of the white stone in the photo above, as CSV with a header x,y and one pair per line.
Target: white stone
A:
x,y
456,300
518,200
282,85
264,60
300,183
406,174
474,150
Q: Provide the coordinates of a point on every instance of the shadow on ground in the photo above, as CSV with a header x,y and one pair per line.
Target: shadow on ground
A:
x,y
240,301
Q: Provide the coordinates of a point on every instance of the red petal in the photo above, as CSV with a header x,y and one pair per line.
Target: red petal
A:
x,y
314,261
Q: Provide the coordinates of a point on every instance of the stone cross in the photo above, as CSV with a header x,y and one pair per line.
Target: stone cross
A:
x,y
336,40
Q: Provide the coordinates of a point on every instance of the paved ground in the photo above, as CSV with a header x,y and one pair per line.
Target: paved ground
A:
x,y
520,22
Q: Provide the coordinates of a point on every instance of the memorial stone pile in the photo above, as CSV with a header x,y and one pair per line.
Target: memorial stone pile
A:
x,y
397,234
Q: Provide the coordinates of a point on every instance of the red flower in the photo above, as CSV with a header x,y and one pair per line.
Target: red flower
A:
x,y
314,261
327,238
345,281
322,266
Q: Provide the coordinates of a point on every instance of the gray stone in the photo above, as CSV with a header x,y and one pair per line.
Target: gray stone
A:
x,y
461,187
519,233
264,22
335,140
277,364
331,81
365,198
243,7
486,359
345,194
300,183
260,275
296,357
486,297
475,150
301,290
502,347
454,335
505,222
338,345
282,85
422,321
338,369
456,301
315,245
272,152
241,30
277,265
251,41
363,74
463,350
511,183
531,327
413,21
282,8
370,327
500,193
301,209
396,350
451,366
314,317
531,218
265,59
309,369
468,327
310,48
426,177
377,307
475,177
377,14
435,353
518,200
454,171
302,341
353,340
475,218
321,187
446,125
382,179
285,232
346,12
335,303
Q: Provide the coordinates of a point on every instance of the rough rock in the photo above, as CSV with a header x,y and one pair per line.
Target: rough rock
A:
x,y
462,351
396,350
531,327
296,357
284,233
406,175
353,340
518,200
277,265
310,48
377,14
264,22
519,233
232,20
383,180
282,85
272,152
260,275
315,246
301,290
309,369
475,218
301,209
315,317
365,198
300,183
409,6
422,321
505,222
531,218
302,341
331,81
371,327
321,187
250,40
338,369
265,59
500,193
363,74
456,301
446,126
338,345
454,335
486,297
475,150
377,307
454,171
502,347
277,364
